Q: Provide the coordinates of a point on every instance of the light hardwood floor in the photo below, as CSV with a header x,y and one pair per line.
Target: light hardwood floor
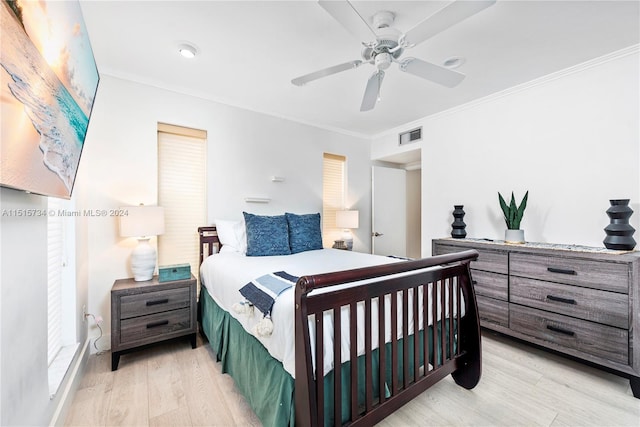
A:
x,y
171,384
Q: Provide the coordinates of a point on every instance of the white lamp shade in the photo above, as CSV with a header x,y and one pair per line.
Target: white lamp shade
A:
x,y
347,219
142,221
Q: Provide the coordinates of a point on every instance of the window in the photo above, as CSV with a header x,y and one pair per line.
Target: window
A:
x,y
333,191
61,290
182,193
55,254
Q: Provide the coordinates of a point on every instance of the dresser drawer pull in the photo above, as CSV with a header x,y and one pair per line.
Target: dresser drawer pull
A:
x,y
560,299
474,282
561,271
156,324
561,330
157,301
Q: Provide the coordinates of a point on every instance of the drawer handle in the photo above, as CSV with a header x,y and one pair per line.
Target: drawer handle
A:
x,y
561,271
474,282
560,299
561,330
156,324
157,301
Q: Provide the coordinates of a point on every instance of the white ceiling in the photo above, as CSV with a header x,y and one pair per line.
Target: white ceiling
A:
x,y
250,51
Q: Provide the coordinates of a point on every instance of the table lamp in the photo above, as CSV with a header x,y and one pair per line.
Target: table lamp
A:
x,y
142,222
346,220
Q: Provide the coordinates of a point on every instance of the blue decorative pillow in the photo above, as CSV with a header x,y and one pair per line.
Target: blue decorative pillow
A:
x,y
267,235
304,232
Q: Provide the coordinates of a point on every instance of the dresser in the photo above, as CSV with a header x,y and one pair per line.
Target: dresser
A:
x,y
148,312
577,300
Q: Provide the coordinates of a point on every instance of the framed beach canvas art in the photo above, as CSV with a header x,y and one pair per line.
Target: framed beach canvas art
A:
x,y
48,84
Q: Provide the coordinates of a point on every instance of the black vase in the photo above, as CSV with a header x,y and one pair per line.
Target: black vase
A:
x,y
619,231
458,225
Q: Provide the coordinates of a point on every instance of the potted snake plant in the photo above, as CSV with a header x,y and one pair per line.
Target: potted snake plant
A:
x,y
512,217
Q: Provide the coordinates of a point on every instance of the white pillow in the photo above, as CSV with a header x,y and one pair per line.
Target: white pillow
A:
x,y
232,235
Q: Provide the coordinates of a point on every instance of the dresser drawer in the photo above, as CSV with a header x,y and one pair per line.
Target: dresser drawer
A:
x,y
492,312
492,285
488,260
592,338
153,325
609,308
493,261
589,273
154,302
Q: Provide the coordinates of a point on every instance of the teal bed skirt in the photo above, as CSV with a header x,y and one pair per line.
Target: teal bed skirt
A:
x,y
268,388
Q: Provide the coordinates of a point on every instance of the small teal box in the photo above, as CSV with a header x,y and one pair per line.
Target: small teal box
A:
x,y
168,273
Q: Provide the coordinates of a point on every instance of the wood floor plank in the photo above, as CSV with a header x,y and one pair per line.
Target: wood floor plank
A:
x,y
204,397
98,371
166,391
176,417
520,385
129,405
90,406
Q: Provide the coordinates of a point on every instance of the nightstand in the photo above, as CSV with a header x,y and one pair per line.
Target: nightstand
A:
x,y
148,312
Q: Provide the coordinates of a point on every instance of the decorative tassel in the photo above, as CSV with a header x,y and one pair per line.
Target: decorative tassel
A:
x,y
244,307
264,327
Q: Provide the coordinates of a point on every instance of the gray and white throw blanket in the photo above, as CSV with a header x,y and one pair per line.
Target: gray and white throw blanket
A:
x,y
261,293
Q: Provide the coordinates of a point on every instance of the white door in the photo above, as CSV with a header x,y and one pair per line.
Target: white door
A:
x,y
389,233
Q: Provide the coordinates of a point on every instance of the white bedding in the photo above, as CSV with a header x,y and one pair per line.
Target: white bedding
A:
x,y
223,274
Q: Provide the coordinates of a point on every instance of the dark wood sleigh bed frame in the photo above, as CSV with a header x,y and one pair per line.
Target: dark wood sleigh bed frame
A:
x,y
453,347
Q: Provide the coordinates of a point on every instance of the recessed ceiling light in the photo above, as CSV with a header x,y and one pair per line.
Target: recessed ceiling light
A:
x,y
187,50
454,62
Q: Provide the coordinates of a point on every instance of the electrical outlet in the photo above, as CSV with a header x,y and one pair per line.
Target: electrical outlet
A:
x,y
84,313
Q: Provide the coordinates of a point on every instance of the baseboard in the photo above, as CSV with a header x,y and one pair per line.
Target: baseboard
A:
x,y
67,391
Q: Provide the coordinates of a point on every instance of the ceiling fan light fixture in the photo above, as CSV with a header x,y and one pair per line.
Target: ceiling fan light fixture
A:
x,y
383,60
454,62
187,50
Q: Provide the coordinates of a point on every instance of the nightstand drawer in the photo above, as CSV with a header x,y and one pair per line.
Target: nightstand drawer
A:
x,y
154,302
581,335
140,328
609,308
589,273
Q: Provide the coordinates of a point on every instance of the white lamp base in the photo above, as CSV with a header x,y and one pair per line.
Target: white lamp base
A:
x,y
347,238
143,260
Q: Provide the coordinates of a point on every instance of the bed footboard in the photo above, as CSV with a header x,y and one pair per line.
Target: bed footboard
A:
x,y
395,360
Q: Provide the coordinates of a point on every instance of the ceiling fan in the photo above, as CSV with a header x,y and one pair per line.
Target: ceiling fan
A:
x,y
386,44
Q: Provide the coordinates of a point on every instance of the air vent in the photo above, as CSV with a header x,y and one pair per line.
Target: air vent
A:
x,y
411,136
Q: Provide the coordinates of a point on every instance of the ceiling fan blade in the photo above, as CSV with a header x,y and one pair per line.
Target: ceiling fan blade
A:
x,y
446,17
372,91
302,80
344,12
433,72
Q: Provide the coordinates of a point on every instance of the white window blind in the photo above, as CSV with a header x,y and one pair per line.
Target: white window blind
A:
x,y
55,260
182,193
333,190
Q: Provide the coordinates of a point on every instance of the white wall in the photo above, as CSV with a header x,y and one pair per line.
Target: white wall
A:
x,y
572,140
23,327
119,168
414,213
24,382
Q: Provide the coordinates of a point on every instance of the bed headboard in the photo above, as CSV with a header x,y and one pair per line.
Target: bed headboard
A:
x,y
208,238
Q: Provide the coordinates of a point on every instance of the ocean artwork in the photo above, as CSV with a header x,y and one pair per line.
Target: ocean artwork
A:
x,y
48,84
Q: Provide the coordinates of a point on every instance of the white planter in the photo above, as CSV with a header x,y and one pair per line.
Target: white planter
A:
x,y
514,236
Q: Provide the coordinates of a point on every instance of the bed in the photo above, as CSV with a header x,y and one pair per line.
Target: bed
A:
x,y
331,358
